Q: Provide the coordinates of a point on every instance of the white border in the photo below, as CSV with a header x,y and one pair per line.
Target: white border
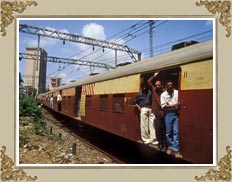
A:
x,y
118,165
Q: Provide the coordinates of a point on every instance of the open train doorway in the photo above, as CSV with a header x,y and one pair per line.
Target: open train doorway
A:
x,y
172,74
78,101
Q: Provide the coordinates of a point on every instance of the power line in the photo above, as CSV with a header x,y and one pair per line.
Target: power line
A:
x,y
162,48
134,27
145,25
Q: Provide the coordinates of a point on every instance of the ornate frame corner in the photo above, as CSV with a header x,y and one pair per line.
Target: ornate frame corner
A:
x,y
223,172
7,12
9,172
221,7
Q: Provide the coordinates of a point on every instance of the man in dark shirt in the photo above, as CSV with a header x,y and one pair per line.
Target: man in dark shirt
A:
x,y
143,103
156,89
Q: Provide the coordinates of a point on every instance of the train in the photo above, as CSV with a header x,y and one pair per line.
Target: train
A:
x,y
104,100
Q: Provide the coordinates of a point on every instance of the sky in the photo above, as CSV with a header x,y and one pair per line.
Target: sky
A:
x,y
131,32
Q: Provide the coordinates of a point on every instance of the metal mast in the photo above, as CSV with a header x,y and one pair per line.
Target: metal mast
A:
x,y
151,23
65,60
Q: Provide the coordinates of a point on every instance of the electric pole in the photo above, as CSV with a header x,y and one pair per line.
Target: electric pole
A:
x,y
151,23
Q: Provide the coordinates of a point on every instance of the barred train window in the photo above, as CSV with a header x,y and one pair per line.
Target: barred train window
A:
x,y
69,100
88,102
103,104
64,100
118,103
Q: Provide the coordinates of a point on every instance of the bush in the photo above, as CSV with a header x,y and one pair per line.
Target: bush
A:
x,y
29,107
24,136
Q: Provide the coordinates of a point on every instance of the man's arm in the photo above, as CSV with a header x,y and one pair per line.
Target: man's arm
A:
x,y
150,80
162,101
135,102
172,105
138,106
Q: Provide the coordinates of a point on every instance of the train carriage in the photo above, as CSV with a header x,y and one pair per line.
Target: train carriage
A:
x,y
104,100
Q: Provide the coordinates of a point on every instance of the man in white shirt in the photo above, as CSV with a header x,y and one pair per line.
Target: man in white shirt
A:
x,y
59,99
169,103
51,102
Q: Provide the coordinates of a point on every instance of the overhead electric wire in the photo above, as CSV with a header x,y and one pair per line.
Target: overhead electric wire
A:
x,y
117,40
161,48
133,26
134,38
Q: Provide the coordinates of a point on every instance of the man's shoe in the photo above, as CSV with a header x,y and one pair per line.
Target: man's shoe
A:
x,y
169,152
177,155
155,143
147,142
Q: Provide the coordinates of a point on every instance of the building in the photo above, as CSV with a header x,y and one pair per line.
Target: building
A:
x,y
35,70
54,82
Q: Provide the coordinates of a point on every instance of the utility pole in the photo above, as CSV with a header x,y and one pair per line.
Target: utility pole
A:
x,y
151,23
116,59
38,53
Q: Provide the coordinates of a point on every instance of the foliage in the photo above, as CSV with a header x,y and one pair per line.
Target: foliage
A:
x,y
32,121
40,127
56,137
31,114
29,107
24,136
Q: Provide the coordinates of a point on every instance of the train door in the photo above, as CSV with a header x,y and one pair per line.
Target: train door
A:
x,y
78,100
59,101
172,74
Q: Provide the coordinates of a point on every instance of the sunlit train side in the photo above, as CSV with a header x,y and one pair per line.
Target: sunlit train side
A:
x,y
104,100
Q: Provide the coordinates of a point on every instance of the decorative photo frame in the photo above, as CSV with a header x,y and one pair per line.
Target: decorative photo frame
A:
x,y
220,10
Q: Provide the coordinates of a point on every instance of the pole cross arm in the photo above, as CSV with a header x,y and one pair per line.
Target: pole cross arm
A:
x,y
65,60
78,39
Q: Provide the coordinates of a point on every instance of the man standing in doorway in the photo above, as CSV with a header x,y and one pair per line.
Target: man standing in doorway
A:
x,y
169,102
143,103
59,99
51,101
156,89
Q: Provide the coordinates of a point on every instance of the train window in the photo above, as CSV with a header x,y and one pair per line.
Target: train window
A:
x,y
69,100
103,103
118,103
88,102
64,100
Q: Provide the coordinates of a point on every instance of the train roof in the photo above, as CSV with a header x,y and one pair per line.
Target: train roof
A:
x,y
193,53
